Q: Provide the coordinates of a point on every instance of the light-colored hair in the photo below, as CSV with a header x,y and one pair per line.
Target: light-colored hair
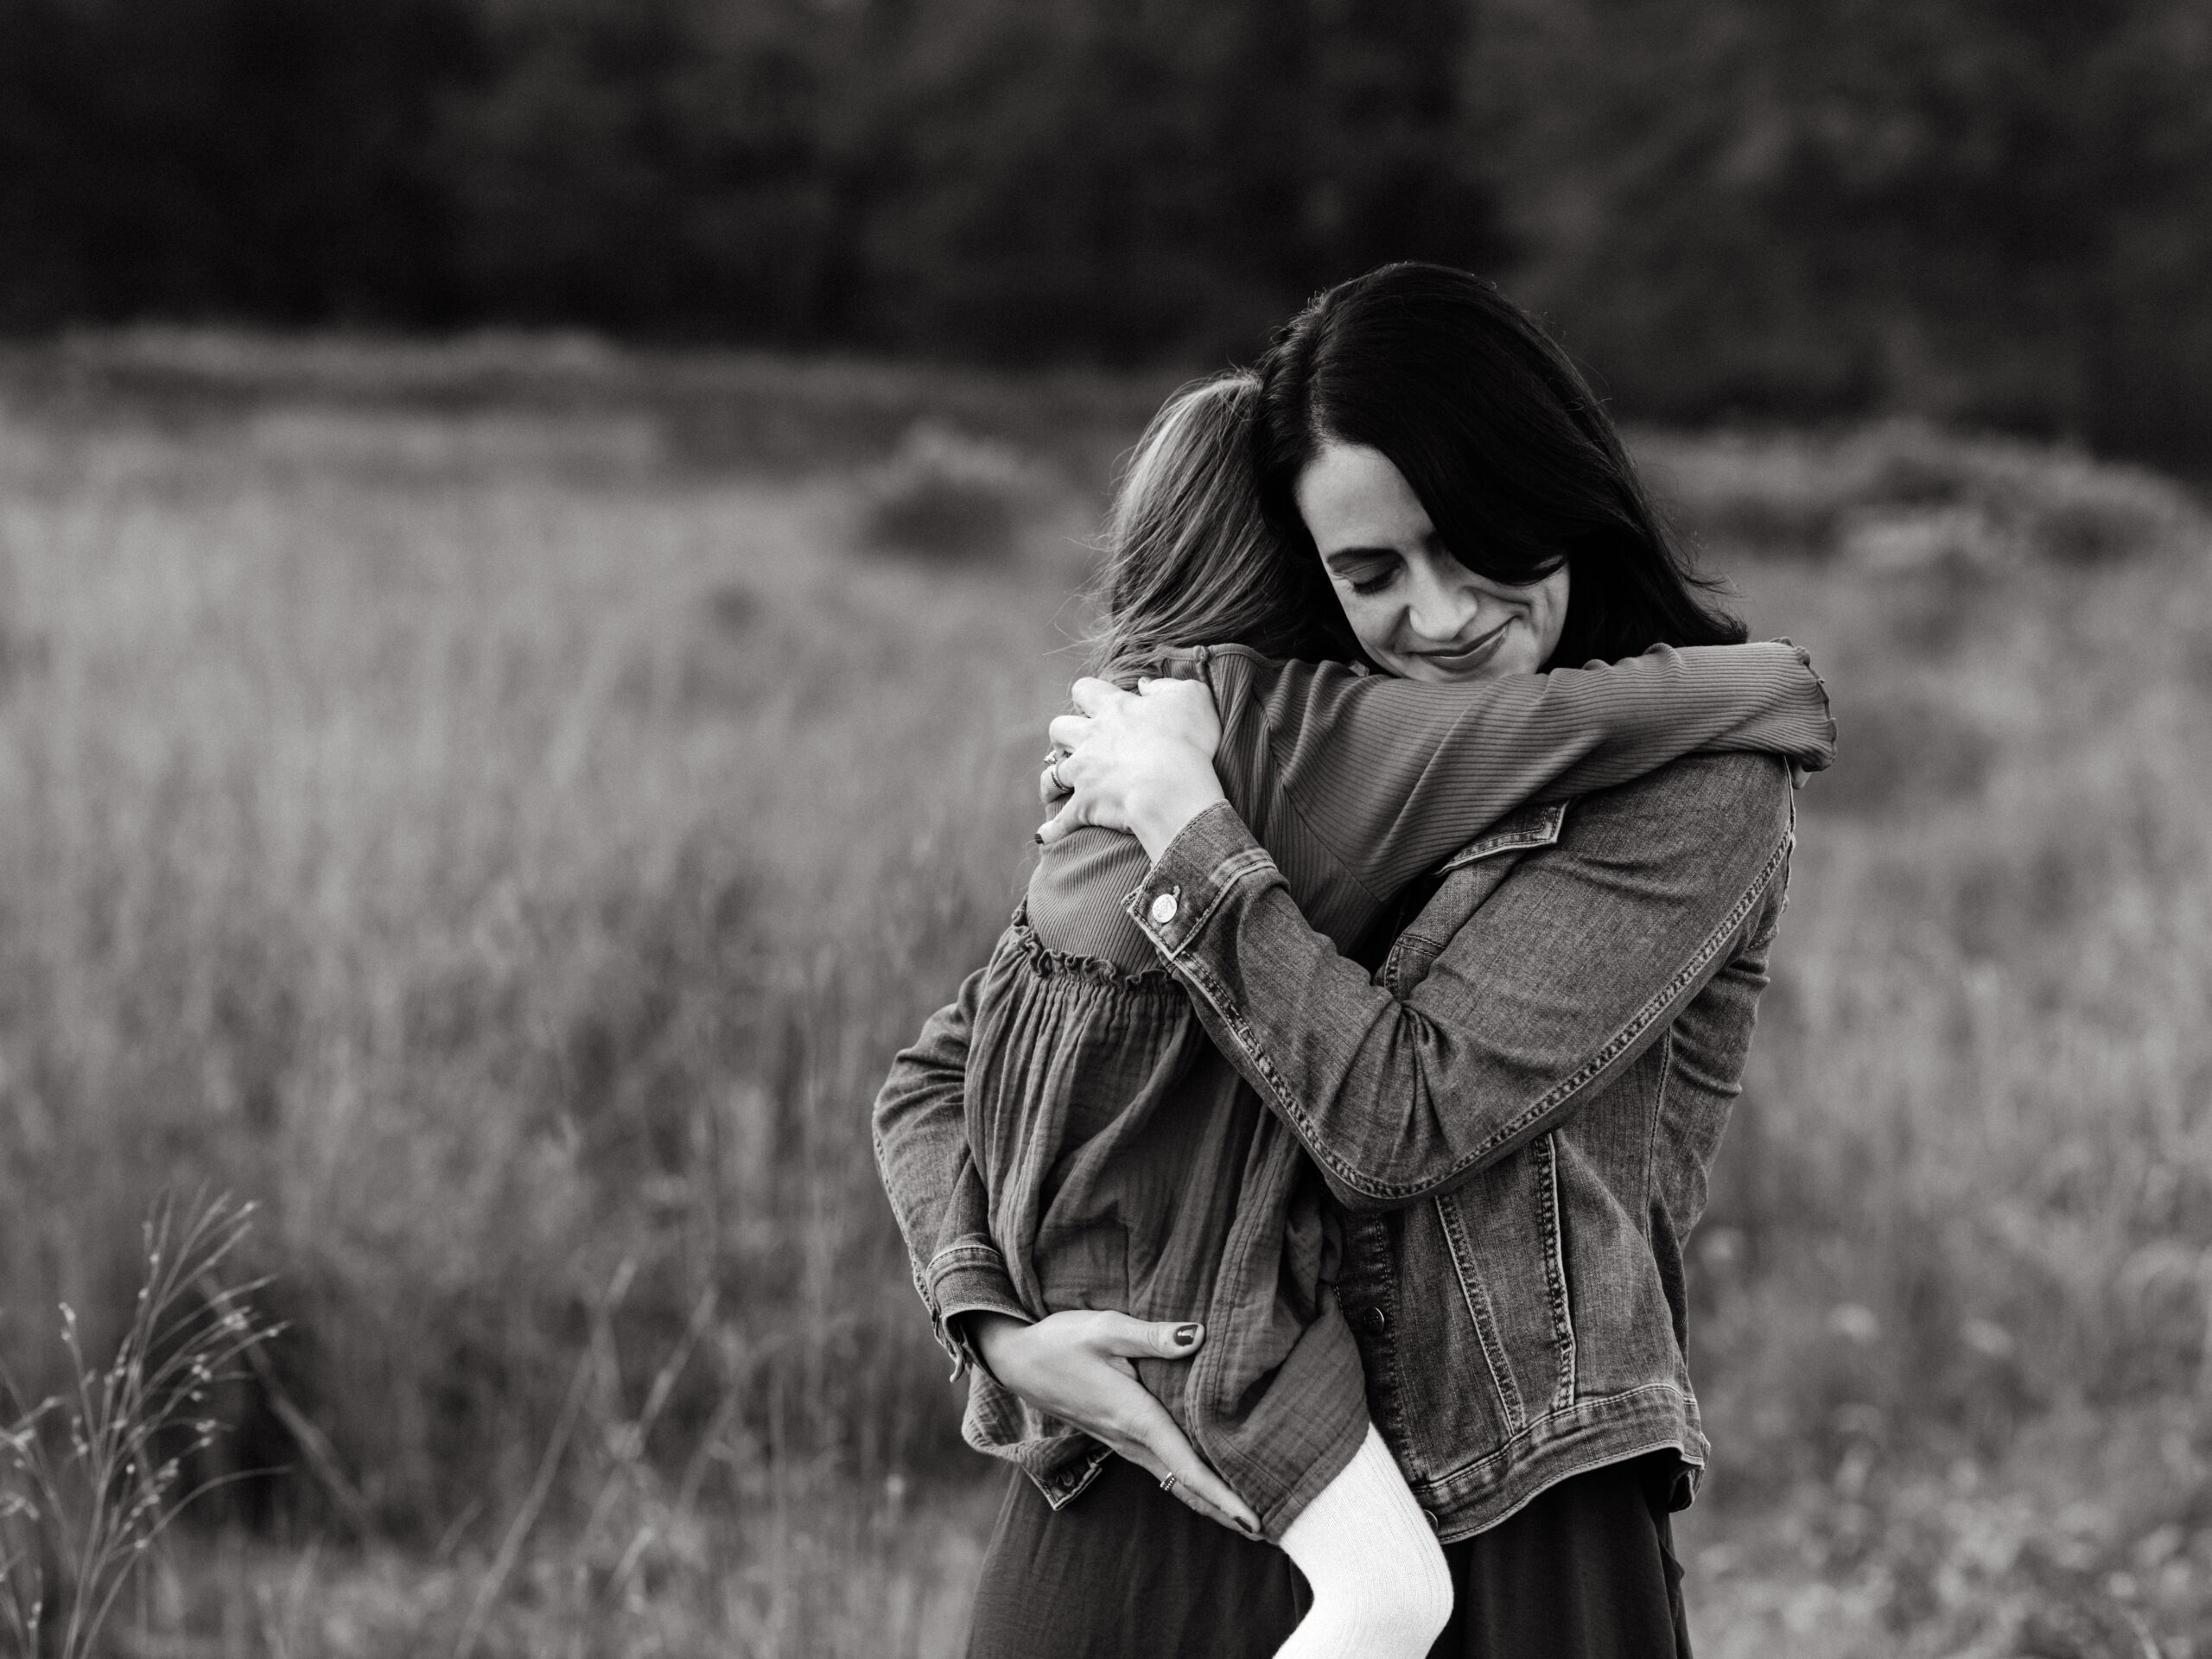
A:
x,y
1191,560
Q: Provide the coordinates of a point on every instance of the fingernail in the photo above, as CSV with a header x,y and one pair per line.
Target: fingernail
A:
x,y
1187,1334
1247,1528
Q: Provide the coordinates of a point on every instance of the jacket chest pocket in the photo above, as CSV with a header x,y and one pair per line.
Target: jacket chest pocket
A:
x,y
1469,877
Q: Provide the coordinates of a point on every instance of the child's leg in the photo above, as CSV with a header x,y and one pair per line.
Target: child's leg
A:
x,y
1381,1588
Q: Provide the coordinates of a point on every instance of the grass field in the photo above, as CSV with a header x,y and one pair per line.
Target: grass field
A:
x,y
500,805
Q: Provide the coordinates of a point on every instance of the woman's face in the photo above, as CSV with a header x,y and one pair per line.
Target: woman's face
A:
x,y
1418,611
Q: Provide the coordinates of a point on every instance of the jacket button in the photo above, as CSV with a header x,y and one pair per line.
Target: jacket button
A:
x,y
1378,1320
1163,910
1434,1524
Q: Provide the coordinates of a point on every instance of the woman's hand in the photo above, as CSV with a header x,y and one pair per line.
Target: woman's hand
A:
x,y
1142,763
1077,1366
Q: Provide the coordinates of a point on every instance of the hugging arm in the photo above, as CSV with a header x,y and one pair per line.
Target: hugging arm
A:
x,y
1581,957
1355,784
1390,776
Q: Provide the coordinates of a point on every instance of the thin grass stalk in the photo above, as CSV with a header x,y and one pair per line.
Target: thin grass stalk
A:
x,y
98,1510
541,1487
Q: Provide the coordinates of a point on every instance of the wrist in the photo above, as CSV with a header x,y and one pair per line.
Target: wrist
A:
x,y
1158,819
988,1333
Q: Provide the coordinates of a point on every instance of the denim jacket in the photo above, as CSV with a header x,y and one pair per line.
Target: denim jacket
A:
x,y
1517,1114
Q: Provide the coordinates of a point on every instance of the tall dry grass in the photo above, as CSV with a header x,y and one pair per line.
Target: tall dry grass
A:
x,y
510,847
1955,1296
513,862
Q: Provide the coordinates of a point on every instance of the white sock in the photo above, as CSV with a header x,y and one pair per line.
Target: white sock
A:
x,y
1381,1588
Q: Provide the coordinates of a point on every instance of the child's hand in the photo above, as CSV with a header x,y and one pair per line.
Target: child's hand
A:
x,y
1140,762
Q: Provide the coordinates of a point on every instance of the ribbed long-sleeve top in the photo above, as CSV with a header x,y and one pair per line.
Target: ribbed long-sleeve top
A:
x,y
1355,783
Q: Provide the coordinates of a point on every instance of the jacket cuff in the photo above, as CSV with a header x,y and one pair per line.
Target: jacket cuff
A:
x,y
1198,870
968,1277
1071,1478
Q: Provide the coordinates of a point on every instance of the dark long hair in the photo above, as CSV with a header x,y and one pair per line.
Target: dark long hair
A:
x,y
1497,433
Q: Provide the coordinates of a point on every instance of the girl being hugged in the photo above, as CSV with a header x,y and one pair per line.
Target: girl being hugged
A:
x,y
1084,1183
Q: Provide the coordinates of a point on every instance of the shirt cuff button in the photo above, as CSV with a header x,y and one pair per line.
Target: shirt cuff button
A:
x,y
1163,910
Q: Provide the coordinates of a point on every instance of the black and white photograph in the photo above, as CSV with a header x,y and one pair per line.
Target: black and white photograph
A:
x,y
1105,829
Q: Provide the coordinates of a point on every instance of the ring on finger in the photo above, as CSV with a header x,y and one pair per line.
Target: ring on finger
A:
x,y
1168,1483
1053,772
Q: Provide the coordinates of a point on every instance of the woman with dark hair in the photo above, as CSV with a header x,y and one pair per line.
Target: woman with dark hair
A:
x,y
1514,1118
1495,431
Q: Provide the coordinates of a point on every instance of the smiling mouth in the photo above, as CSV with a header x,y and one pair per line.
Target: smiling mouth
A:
x,y
1471,655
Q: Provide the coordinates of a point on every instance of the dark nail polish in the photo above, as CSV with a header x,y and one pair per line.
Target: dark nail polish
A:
x,y
1185,1335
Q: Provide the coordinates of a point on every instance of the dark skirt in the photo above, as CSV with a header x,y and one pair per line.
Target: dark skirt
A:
x,y
1586,1571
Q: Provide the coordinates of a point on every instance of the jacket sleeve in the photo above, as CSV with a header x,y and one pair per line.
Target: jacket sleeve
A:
x,y
1578,961
1391,775
920,1132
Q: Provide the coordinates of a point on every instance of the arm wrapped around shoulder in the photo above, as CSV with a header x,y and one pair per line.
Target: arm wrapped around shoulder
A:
x,y
1564,971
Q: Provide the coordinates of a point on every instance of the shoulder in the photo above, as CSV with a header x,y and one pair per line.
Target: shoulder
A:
x,y
1243,662
1278,693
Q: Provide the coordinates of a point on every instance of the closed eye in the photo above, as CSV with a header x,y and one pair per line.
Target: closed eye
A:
x,y
1369,575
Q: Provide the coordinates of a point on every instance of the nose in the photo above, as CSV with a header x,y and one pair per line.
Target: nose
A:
x,y
1438,606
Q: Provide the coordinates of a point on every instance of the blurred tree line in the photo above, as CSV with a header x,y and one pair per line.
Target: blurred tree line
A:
x,y
1999,210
